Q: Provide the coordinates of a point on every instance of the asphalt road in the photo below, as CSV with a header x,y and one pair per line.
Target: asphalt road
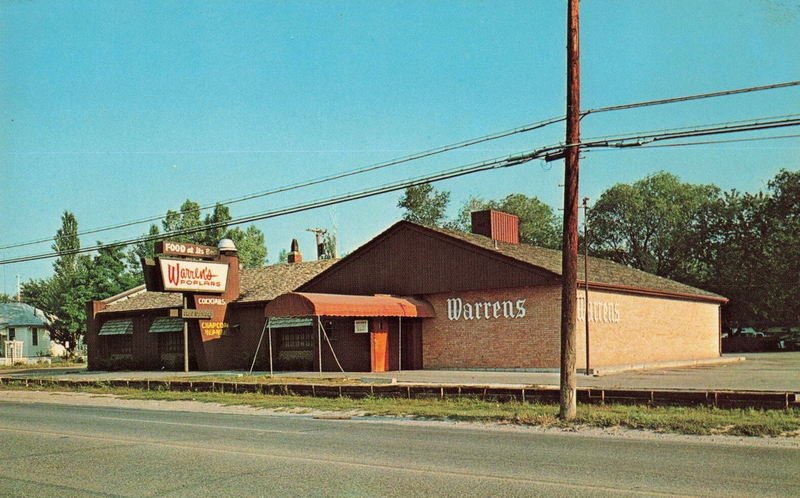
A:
x,y
68,450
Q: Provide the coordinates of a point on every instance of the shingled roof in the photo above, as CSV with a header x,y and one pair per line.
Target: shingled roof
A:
x,y
601,271
257,284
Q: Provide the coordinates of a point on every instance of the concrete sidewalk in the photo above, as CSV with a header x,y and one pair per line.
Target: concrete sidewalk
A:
x,y
760,372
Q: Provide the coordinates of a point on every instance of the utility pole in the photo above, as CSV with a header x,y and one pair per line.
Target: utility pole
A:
x,y
319,232
569,260
586,276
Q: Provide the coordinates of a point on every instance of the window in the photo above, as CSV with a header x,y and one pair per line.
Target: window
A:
x,y
34,337
118,344
170,342
329,330
297,340
12,334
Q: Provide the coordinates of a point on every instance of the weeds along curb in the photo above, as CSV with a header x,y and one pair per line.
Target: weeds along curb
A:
x,y
719,399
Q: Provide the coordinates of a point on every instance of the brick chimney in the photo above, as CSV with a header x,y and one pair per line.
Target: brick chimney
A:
x,y
295,256
496,225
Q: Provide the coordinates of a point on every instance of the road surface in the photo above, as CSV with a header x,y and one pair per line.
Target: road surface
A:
x,y
79,449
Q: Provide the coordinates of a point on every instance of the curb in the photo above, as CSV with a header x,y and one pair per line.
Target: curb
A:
x,y
535,394
615,369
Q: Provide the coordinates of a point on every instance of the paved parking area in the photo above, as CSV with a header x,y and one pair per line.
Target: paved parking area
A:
x,y
760,371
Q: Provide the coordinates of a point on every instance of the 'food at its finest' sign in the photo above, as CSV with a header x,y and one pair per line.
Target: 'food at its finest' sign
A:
x,y
183,249
193,276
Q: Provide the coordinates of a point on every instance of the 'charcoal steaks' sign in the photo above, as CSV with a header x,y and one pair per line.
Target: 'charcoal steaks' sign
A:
x,y
457,309
199,276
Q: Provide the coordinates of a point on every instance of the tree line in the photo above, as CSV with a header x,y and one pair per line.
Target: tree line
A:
x,y
80,278
744,246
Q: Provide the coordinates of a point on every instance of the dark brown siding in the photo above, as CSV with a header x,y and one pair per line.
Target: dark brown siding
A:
x,y
353,350
409,260
250,321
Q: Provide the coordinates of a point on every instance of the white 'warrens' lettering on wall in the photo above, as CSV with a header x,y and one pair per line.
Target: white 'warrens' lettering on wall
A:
x,y
457,309
599,311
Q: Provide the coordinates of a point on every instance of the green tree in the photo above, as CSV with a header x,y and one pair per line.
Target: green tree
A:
x,y
64,296
209,230
5,298
538,225
652,224
424,205
249,245
186,218
107,273
66,243
783,252
755,257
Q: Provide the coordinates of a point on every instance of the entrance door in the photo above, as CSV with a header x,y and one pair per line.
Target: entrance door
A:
x,y
379,344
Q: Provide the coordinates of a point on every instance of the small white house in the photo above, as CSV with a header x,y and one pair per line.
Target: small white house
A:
x,y
24,334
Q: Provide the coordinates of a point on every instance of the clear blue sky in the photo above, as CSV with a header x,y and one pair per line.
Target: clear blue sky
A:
x,y
119,110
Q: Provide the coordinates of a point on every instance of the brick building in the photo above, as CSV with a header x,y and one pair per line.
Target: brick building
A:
x,y
422,297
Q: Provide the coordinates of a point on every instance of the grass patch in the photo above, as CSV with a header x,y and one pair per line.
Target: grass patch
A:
x,y
55,364
682,420
268,379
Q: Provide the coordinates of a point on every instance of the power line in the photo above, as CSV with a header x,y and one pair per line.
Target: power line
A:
x,y
316,181
710,142
640,140
695,126
496,163
442,175
424,154
723,93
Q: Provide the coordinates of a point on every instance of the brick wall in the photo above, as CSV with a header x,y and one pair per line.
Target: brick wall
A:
x,y
527,342
628,329
624,329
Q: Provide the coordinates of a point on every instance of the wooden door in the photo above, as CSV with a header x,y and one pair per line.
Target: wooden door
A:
x,y
379,344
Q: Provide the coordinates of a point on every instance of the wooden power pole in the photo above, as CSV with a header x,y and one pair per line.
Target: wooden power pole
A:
x,y
569,260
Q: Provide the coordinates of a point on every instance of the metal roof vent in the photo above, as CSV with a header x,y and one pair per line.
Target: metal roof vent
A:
x,y
226,245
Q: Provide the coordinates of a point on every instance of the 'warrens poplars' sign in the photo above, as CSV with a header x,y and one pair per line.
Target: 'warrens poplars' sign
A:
x,y
457,309
198,276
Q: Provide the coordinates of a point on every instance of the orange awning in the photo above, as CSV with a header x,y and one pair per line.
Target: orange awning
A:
x,y
314,304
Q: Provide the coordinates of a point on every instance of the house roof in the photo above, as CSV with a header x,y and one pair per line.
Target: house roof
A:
x,y
20,315
257,284
601,272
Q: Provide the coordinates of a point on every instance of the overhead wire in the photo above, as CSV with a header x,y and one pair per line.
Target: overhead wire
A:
x,y
501,162
427,153
442,175
711,142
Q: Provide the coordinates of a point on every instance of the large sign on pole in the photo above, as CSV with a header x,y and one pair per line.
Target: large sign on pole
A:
x,y
179,275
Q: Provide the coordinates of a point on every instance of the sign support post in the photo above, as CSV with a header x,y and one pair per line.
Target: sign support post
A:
x,y
185,340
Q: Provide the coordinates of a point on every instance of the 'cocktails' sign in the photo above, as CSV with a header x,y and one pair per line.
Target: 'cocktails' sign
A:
x,y
193,276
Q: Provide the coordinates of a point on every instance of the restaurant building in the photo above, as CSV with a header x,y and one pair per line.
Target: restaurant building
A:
x,y
419,297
